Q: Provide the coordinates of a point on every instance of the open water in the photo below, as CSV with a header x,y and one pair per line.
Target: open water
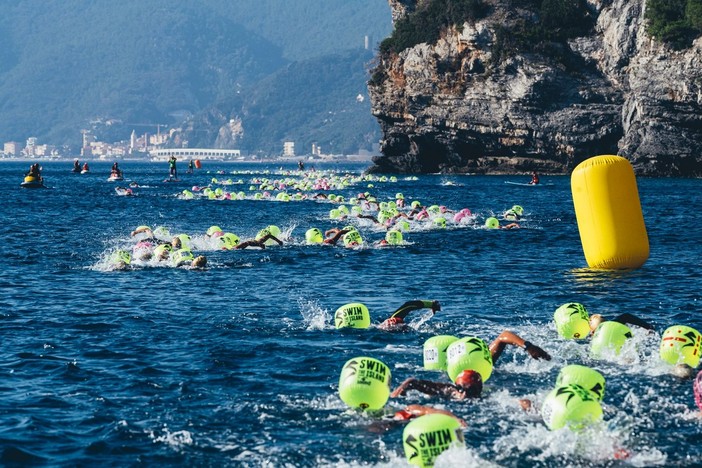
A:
x,y
238,364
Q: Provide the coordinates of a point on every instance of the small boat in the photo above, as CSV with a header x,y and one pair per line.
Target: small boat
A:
x,y
84,171
32,181
115,176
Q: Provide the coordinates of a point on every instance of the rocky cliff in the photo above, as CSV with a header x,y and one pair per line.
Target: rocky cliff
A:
x,y
448,107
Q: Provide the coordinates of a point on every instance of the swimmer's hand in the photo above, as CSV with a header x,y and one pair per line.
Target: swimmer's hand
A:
x,y
536,352
401,389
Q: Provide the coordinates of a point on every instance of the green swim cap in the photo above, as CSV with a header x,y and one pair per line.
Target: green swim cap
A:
x,y
121,256
364,383
570,405
162,250
393,237
492,223
681,344
162,232
440,222
609,338
184,241
435,351
354,315
426,437
212,229
351,238
228,240
469,353
572,321
314,236
586,377
415,204
181,257
334,213
518,210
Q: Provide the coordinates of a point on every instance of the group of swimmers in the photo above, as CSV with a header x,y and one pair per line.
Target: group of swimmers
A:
x,y
473,360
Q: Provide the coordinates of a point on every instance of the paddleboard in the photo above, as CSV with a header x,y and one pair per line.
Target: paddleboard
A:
x,y
528,185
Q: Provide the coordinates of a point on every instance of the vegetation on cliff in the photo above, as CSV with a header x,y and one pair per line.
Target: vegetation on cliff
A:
x,y
426,23
676,22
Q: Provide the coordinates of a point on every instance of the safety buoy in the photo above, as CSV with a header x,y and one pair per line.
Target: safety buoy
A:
x,y
608,211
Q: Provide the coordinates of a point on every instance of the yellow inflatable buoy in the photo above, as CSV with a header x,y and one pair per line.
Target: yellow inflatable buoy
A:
x,y
608,210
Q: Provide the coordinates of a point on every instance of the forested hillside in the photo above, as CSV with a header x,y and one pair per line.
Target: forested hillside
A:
x,y
65,64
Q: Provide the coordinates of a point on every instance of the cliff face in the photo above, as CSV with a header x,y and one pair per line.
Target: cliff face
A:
x,y
447,108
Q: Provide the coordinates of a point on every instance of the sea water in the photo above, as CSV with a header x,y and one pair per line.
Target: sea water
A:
x,y
238,364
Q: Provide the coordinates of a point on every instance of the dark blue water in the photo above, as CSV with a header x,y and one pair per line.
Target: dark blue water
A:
x,y
238,364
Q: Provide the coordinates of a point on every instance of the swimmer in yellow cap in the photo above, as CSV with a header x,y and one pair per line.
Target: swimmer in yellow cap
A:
x,y
469,383
333,235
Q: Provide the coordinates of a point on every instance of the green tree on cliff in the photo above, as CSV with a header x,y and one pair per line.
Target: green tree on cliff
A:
x,y
675,22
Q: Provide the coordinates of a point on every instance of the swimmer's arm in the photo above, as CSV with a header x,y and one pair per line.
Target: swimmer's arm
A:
x,y
251,243
427,387
508,337
271,237
628,319
414,411
371,217
336,237
409,306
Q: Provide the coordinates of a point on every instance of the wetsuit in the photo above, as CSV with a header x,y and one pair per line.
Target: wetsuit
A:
x,y
404,310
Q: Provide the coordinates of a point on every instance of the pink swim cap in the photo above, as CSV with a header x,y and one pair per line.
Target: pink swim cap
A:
x,y
697,389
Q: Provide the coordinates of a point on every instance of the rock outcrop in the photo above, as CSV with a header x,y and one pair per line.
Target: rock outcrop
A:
x,y
447,107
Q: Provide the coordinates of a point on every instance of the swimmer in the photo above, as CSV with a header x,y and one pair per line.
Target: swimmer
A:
x,y
333,235
146,233
397,318
625,319
469,383
494,223
261,243
534,178
697,390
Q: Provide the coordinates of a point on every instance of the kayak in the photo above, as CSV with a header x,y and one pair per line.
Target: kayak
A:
x,y
84,171
114,178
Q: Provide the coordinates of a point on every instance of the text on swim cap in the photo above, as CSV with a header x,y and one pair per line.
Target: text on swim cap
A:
x,y
431,355
429,445
372,370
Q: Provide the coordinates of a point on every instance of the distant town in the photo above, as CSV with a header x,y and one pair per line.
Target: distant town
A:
x,y
150,147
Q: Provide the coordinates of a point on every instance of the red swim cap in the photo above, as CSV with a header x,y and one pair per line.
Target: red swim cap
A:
x,y
471,382
697,389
